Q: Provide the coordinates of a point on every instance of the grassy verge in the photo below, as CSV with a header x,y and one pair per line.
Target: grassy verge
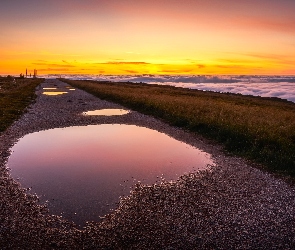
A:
x,y
261,129
15,95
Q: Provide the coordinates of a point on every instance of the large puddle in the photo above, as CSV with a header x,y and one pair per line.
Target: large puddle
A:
x,y
82,171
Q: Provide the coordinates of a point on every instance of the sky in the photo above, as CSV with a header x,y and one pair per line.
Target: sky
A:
x,y
147,37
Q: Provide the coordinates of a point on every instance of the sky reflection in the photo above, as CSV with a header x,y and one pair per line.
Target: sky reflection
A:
x,y
82,171
54,93
107,112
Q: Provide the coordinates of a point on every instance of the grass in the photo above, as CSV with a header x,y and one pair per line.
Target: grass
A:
x,y
260,129
15,95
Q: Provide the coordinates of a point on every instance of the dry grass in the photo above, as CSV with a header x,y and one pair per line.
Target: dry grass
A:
x,y
15,95
261,129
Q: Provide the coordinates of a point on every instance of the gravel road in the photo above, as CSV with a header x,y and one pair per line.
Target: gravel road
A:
x,y
232,205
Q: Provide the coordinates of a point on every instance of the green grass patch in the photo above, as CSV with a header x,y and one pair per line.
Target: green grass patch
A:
x,y
15,95
260,129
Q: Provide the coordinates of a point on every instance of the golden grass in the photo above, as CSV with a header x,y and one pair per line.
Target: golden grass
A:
x,y
15,95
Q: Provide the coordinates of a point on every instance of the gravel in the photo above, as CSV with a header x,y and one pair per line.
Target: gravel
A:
x,y
232,205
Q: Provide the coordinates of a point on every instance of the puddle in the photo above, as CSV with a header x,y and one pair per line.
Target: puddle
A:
x,y
53,93
107,112
70,88
49,88
82,171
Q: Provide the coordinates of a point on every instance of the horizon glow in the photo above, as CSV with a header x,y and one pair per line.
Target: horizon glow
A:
x,y
148,37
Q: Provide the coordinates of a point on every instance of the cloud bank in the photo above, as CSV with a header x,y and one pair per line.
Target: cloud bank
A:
x,y
266,86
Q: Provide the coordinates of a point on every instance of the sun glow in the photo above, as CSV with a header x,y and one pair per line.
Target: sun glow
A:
x,y
141,38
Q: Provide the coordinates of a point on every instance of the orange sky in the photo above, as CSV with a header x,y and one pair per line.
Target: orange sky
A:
x,y
147,37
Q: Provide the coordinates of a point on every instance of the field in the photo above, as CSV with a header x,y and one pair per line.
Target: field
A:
x,y
260,129
15,95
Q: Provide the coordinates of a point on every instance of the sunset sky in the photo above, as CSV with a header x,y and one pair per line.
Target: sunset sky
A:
x,y
147,37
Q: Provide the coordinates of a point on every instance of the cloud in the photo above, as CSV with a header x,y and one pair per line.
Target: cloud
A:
x,y
266,86
273,57
53,64
54,69
131,71
127,63
176,71
228,66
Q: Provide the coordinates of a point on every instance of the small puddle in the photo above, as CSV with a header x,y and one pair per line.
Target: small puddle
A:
x,y
49,88
107,112
53,93
82,171
70,88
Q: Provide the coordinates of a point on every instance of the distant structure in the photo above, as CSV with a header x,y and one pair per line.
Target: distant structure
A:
x,y
34,74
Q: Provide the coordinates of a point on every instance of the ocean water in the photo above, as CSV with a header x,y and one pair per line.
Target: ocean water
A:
x,y
266,86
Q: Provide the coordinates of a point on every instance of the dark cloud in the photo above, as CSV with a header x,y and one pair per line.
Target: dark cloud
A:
x,y
131,71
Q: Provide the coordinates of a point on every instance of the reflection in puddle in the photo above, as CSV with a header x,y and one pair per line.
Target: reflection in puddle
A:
x,y
53,93
107,112
49,88
70,88
82,171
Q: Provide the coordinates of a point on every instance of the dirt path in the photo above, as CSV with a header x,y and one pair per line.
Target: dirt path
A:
x,y
232,206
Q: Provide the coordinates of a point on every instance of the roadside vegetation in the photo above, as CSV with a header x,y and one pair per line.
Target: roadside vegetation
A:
x,y
260,129
15,95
